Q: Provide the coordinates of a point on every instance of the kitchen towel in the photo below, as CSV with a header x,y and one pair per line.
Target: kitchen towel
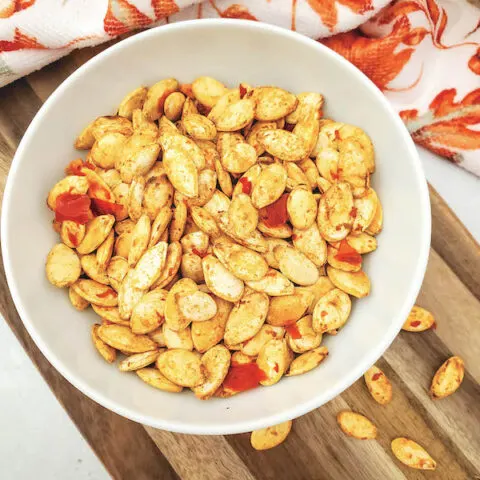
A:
x,y
423,54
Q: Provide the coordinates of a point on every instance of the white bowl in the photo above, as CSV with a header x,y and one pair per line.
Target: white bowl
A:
x,y
231,51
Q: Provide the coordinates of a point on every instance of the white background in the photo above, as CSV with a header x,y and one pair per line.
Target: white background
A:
x,y
37,438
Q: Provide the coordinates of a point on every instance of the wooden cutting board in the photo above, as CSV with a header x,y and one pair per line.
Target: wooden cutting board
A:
x,y
316,449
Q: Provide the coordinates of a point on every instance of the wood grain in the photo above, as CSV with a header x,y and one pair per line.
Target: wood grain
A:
x,y
460,255
316,449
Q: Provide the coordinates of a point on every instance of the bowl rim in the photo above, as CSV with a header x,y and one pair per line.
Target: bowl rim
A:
x,y
298,410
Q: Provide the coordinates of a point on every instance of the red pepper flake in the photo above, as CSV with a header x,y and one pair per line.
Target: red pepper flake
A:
x,y
275,214
337,135
293,331
198,253
346,253
75,167
353,212
246,185
103,207
415,323
376,376
243,90
107,293
294,237
289,127
276,367
73,239
323,313
243,377
74,207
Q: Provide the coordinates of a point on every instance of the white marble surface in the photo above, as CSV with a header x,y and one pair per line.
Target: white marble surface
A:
x,y
38,440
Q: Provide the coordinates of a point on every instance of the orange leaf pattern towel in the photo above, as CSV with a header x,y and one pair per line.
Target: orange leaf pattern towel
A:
x,y
423,54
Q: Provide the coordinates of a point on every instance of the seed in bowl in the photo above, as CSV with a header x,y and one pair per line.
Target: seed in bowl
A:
x,y
217,232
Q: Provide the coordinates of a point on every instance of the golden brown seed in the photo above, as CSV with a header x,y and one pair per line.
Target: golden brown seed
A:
x,y
283,145
140,238
154,378
196,306
356,284
93,270
103,125
105,250
132,101
76,300
111,314
106,351
378,385
412,454
174,105
220,280
307,361
199,127
270,437
418,320
149,313
289,308
216,363
246,318
296,266
72,233
116,271
269,185
448,378
63,266
96,233
331,311
207,334
244,263
242,215
273,360
273,103
153,107
181,367
356,425
122,338
208,90
137,361
309,339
